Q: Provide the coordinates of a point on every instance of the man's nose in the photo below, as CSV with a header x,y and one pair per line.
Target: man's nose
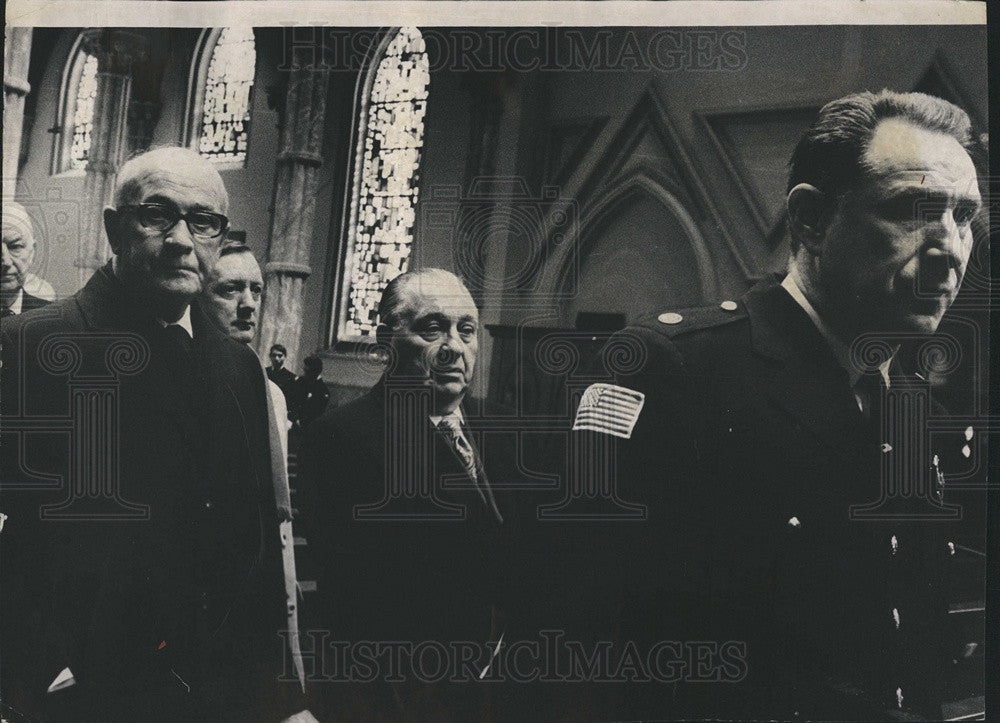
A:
x,y
7,261
448,352
180,236
246,300
945,240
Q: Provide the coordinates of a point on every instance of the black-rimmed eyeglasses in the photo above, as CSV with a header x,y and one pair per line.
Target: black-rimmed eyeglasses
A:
x,y
161,218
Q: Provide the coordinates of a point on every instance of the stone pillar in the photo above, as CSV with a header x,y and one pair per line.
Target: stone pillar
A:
x,y
116,50
287,265
16,57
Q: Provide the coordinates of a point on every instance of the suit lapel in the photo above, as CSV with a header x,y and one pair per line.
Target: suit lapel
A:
x,y
799,372
471,429
104,307
472,414
226,408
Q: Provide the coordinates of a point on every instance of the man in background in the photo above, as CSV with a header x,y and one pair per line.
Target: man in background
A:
x,y
277,372
231,297
309,394
18,255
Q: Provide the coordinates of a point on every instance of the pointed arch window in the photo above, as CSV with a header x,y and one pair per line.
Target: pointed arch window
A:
x,y
392,101
222,74
76,111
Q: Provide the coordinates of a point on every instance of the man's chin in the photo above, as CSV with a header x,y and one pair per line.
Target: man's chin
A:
x,y
920,323
449,389
178,286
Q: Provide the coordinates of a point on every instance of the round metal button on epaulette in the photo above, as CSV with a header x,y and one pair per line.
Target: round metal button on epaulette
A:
x,y
729,305
670,318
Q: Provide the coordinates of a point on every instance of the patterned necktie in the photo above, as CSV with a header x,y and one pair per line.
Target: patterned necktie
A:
x,y
452,429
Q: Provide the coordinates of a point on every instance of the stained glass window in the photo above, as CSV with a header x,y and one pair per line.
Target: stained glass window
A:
x,y
390,138
83,113
225,120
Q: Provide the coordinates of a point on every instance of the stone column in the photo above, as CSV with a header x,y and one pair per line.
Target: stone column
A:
x,y
287,265
116,50
16,57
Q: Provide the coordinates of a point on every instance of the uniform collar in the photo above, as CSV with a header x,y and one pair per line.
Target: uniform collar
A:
x,y
841,351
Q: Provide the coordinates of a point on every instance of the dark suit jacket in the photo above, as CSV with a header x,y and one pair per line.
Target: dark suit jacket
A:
x,y
430,567
307,400
30,303
163,593
748,453
283,378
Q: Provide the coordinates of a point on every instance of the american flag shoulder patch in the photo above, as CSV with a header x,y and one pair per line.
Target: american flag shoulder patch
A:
x,y
609,409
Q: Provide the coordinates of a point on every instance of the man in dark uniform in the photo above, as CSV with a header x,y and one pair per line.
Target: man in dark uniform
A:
x,y
413,520
787,510
277,372
141,564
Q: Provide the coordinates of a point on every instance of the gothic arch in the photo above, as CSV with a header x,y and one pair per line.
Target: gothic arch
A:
x,y
80,66
690,251
659,189
198,80
384,179
639,155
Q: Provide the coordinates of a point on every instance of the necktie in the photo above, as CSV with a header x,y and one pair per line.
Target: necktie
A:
x,y
6,311
452,430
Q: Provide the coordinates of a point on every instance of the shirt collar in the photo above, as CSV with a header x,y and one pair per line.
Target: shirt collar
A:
x,y
17,303
184,322
841,351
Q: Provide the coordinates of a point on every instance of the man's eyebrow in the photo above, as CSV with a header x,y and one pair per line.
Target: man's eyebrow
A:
x,y
916,191
437,315
166,201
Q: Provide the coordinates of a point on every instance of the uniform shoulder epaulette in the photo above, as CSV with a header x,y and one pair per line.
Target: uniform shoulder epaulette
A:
x,y
675,323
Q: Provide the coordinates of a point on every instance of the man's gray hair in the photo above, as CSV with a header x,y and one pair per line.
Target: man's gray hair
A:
x,y
137,169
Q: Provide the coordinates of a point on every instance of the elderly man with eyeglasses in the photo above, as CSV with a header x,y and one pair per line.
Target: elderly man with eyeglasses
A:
x,y
145,582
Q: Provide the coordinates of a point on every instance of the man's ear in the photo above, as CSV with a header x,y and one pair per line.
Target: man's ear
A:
x,y
809,212
111,228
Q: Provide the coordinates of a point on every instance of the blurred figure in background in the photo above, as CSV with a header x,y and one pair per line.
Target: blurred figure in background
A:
x,y
277,372
308,395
